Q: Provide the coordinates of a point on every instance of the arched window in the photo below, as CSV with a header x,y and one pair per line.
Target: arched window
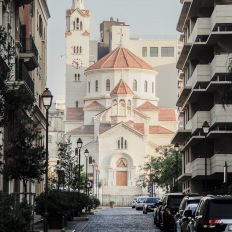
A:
x,y
96,86
121,142
125,144
77,49
74,25
118,144
80,49
89,86
107,85
81,25
77,27
134,85
145,86
78,77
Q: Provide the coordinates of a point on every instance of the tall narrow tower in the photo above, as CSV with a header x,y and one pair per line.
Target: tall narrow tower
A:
x,y
77,53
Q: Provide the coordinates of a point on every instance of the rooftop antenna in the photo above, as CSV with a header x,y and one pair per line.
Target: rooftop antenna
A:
x,y
121,35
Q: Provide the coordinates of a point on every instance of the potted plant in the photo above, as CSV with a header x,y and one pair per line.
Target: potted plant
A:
x,y
112,204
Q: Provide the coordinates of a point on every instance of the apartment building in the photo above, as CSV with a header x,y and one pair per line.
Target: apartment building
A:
x,y
206,28
25,22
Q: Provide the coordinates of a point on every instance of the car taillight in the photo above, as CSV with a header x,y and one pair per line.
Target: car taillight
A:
x,y
210,223
168,213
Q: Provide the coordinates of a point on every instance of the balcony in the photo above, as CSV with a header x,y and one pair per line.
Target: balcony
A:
x,y
217,163
197,167
221,17
201,29
219,115
25,78
24,2
29,53
219,65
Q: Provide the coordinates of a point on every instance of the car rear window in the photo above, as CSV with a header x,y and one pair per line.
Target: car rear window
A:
x,y
175,200
152,200
220,208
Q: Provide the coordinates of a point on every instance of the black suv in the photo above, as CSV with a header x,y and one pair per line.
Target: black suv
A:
x,y
181,220
213,214
168,209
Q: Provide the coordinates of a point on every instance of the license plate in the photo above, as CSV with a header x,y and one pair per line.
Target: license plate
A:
x,y
229,227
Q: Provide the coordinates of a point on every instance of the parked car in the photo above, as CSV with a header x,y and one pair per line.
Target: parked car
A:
x,y
156,213
179,218
170,206
149,204
133,202
139,202
182,223
213,214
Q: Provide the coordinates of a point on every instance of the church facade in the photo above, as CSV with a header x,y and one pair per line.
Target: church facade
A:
x,y
112,106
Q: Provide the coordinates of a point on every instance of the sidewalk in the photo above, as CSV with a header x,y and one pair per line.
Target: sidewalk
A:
x,y
78,224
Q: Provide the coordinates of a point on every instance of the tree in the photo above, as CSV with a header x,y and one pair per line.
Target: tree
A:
x,y
66,163
24,154
162,169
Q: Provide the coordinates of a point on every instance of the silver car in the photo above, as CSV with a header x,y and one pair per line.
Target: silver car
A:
x,y
139,202
134,200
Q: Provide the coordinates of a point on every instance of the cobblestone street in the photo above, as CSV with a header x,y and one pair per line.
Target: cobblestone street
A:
x,y
112,220
117,220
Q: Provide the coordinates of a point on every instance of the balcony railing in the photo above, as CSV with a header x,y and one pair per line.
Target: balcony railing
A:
x,y
24,76
28,46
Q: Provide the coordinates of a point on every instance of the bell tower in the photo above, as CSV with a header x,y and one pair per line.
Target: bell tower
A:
x,y
78,4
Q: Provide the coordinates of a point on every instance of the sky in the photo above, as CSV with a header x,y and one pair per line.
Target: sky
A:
x,y
148,19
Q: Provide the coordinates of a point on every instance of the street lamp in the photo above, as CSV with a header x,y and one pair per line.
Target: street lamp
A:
x,y
96,168
47,102
176,147
86,156
98,173
79,146
205,129
93,164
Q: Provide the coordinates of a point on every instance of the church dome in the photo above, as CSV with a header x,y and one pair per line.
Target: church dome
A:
x,y
120,58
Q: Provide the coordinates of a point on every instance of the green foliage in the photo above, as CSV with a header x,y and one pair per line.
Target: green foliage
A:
x,y
61,203
94,200
162,169
14,217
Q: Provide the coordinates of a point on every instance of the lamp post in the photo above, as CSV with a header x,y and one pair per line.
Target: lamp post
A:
x,y
205,129
93,164
79,146
98,173
177,174
86,156
96,168
47,102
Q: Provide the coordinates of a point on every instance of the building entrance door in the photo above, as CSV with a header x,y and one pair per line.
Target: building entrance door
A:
x,y
121,178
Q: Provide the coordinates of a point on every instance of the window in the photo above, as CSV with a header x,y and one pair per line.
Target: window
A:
x,y
134,85
145,86
122,143
78,76
40,26
77,49
167,51
108,85
77,21
74,49
74,25
81,26
144,52
96,86
153,52
80,49
89,86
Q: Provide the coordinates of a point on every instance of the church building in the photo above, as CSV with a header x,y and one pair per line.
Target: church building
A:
x,y
112,106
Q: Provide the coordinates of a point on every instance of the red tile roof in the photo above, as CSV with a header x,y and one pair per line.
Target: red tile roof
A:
x,y
159,130
104,127
167,114
74,114
94,106
120,58
122,88
83,130
85,33
137,126
147,106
